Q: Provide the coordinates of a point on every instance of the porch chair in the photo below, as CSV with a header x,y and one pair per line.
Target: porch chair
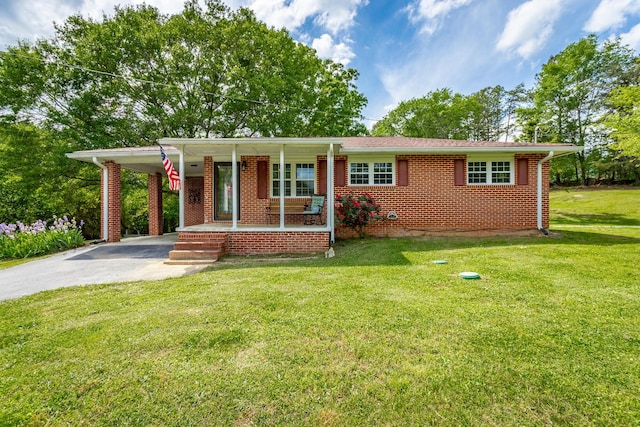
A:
x,y
313,214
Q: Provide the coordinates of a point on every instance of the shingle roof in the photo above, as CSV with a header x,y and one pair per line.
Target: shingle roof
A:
x,y
431,145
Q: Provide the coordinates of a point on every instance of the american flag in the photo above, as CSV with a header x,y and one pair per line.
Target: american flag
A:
x,y
174,178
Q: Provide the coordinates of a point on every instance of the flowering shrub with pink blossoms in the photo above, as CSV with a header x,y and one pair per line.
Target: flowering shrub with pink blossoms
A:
x,y
356,211
22,241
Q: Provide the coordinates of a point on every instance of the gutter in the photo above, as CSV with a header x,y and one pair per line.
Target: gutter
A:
x,y
549,157
105,198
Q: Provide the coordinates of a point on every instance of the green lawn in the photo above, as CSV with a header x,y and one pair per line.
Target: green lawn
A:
x,y
378,335
614,207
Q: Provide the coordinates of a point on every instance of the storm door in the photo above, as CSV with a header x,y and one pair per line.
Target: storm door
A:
x,y
223,184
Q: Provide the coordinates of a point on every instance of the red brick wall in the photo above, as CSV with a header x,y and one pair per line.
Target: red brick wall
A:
x,y
208,190
253,210
194,201
431,201
255,243
154,188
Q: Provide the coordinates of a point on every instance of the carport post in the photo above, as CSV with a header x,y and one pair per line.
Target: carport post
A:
x,y
182,184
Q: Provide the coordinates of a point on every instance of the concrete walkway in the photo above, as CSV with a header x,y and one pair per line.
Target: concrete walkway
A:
x,y
134,258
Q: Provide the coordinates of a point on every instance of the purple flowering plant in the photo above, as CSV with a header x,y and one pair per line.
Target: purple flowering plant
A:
x,y
356,211
21,240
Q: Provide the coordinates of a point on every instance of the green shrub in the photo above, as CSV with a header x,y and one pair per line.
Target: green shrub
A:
x,y
356,212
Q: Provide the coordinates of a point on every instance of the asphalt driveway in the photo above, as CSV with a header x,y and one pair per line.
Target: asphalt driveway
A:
x,y
134,258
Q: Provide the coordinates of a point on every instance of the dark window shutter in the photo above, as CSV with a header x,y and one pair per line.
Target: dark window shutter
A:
x,y
458,167
403,172
523,171
263,179
340,173
322,177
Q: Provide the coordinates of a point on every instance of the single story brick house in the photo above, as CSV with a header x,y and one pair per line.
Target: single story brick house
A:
x,y
231,193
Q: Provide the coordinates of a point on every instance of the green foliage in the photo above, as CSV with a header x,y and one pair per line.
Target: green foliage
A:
x,y
487,115
625,121
24,241
356,211
140,75
136,76
569,97
439,114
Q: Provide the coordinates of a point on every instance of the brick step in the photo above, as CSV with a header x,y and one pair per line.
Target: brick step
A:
x,y
209,245
201,237
189,255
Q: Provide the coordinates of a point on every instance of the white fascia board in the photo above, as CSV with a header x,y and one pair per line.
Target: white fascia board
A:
x,y
464,150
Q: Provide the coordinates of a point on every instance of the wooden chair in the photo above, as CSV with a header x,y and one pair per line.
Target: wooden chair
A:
x,y
313,214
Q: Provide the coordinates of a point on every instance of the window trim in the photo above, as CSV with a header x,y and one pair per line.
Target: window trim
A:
x,y
489,160
293,179
371,174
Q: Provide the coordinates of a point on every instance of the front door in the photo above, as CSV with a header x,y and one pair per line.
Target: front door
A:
x,y
223,183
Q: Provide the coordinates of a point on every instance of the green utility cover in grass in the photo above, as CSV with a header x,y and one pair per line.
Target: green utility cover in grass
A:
x,y
469,275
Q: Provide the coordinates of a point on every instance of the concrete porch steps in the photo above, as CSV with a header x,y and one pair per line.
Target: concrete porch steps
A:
x,y
204,251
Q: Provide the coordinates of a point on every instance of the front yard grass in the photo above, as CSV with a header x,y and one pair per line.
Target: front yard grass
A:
x,y
378,335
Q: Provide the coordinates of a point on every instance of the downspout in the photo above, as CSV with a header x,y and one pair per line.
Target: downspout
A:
x,y
105,198
540,228
330,194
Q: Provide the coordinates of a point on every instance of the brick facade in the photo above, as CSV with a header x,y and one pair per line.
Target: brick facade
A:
x,y
194,200
154,187
208,190
430,202
255,243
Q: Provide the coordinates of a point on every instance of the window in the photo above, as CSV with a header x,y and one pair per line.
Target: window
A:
x,y
371,173
490,172
300,183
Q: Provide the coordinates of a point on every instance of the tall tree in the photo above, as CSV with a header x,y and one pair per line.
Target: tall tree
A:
x,y
486,115
439,114
138,75
570,92
493,112
625,120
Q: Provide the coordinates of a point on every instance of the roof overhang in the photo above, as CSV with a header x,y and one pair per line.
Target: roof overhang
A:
x,y
558,149
147,159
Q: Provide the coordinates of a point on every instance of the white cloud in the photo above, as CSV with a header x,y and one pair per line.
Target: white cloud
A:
x,y
331,15
326,48
529,27
611,14
34,19
431,12
632,38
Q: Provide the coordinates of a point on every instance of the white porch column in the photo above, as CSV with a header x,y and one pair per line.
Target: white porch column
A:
x,y
234,189
282,190
330,194
182,185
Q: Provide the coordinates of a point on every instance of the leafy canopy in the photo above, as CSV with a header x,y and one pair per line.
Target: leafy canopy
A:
x,y
138,75
206,72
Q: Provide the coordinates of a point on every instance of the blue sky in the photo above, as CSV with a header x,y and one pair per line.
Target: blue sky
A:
x,y
402,48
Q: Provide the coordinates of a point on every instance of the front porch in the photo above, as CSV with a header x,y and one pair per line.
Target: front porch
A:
x,y
232,193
